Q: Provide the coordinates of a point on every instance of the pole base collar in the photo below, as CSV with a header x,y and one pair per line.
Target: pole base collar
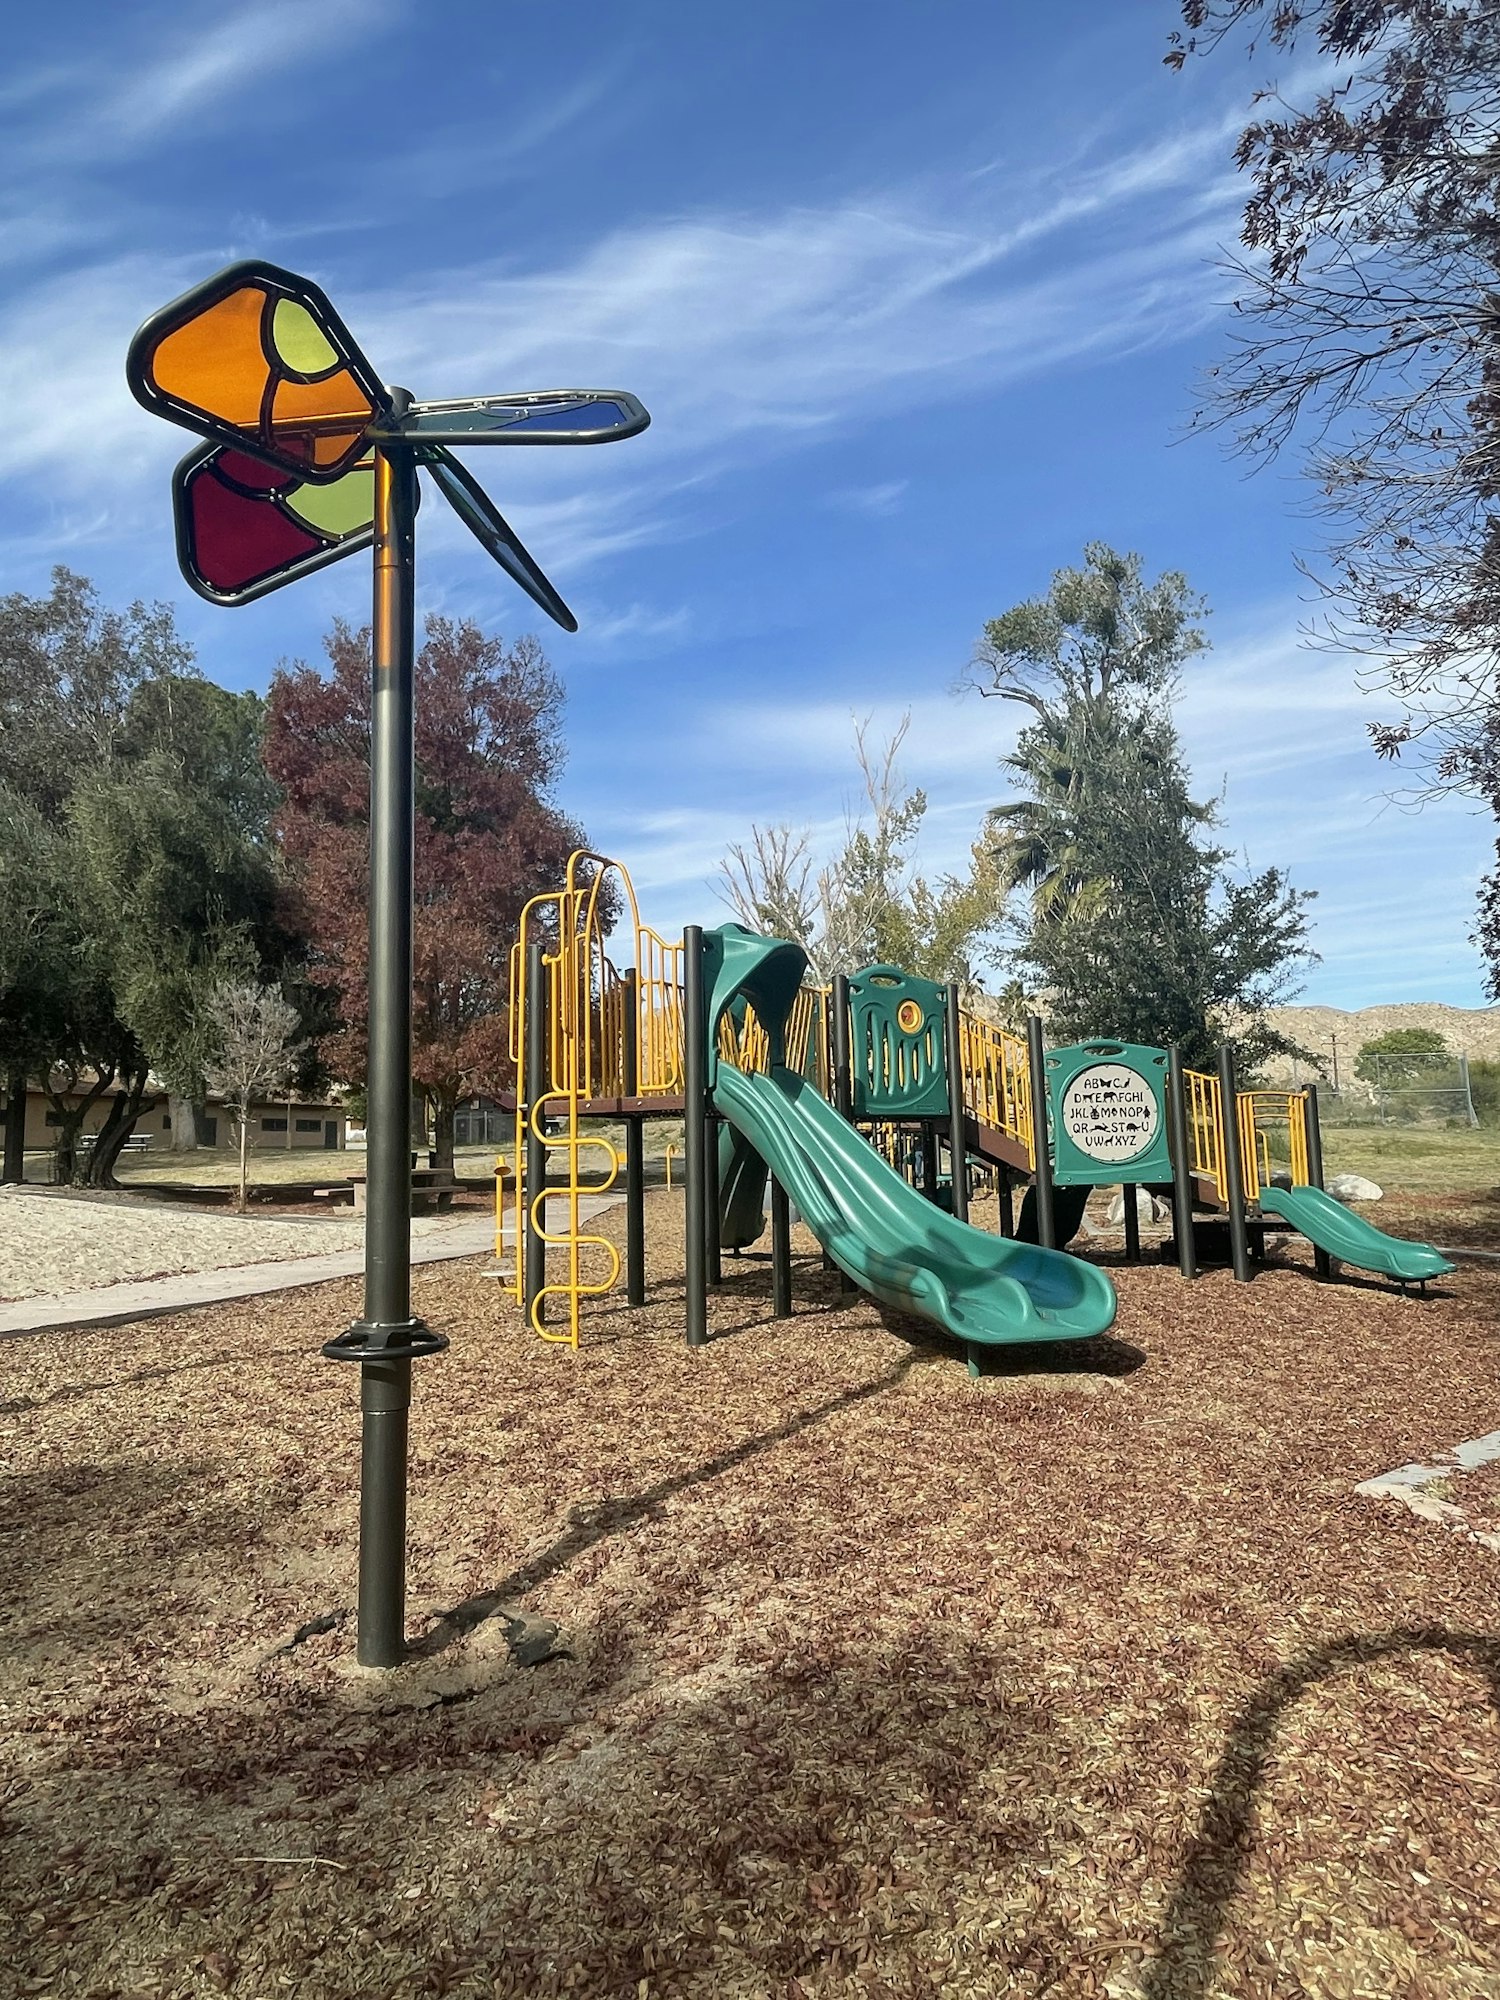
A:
x,y
401,1340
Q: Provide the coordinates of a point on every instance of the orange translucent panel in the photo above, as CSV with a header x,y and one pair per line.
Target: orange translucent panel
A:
x,y
338,398
329,447
216,362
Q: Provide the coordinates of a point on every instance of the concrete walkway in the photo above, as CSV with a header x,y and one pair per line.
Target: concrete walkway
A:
x,y
113,1305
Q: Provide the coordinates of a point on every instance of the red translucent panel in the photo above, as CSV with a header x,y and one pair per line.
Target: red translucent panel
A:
x,y
239,539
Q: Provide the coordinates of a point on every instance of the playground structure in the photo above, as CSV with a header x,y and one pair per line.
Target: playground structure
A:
x,y
870,1102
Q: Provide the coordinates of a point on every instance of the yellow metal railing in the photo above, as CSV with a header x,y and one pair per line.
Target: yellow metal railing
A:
x,y
997,1078
1206,1130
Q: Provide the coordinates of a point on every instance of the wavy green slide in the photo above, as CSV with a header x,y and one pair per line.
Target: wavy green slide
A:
x,y
897,1245
1351,1239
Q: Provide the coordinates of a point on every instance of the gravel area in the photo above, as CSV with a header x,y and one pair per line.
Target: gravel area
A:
x,y
53,1241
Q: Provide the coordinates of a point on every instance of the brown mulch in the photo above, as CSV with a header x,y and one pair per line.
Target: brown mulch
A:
x,y
1091,1678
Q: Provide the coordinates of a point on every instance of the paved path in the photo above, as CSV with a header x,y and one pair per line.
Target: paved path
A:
x,y
111,1305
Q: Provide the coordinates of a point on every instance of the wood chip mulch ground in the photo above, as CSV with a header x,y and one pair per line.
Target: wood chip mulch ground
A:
x,y
1094,1677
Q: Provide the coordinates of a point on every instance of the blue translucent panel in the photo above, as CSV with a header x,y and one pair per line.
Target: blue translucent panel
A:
x,y
597,416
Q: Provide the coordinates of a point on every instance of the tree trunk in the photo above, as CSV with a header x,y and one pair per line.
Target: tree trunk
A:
x,y
184,1114
98,1169
67,1169
244,1157
15,1128
444,1105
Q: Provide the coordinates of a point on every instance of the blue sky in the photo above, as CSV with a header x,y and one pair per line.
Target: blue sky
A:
x,y
917,298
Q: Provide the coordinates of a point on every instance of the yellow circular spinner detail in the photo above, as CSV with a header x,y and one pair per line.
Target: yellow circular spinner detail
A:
x,y
908,1017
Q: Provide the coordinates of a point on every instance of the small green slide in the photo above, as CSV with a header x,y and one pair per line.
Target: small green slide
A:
x,y
742,1191
1351,1239
895,1244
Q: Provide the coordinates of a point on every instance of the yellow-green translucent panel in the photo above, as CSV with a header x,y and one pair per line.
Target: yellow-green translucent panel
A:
x,y
339,509
300,341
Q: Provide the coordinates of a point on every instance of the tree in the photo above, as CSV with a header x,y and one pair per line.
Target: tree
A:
x,y
253,1031
1134,926
138,800
1101,632
1411,1051
1369,317
866,905
489,750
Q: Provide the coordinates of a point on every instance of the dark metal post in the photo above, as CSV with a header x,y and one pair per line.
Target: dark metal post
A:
x,y
14,1168
1234,1171
1046,1223
695,1134
1322,1262
635,1164
533,1248
1006,1201
958,1145
929,1145
781,1252
1182,1164
843,1081
388,1338
1132,1219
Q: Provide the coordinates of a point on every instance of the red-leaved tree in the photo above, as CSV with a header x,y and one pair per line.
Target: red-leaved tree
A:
x,y
488,751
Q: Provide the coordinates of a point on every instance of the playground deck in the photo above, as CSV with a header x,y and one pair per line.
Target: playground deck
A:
x,y
1093,1678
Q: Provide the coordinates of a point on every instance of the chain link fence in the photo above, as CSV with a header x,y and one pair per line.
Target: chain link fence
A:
x,y
1412,1090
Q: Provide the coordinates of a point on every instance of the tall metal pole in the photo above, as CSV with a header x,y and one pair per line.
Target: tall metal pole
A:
x,y
1234,1170
958,1145
1182,1164
781,1252
843,1081
1041,1162
695,1134
388,1338
1322,1262
635,1165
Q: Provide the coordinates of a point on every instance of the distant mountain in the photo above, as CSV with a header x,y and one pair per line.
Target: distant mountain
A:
x,y
1470,1031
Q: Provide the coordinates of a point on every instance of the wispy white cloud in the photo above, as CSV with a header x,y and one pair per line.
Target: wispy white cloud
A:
x,y
121,100
884,497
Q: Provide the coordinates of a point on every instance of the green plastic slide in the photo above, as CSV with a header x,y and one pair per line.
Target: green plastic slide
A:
x,y
742,1191
1347,1236
899,1247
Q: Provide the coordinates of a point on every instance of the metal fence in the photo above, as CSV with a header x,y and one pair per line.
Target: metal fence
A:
x,y
1402,1090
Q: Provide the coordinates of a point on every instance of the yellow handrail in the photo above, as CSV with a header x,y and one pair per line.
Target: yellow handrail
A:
x,y
996,1079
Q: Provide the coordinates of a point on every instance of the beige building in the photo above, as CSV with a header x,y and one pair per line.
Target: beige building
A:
x,y
285,1125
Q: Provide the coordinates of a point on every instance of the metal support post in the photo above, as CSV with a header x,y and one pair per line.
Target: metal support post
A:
x,y
781,1252
1182,1164
1234,1170
1132,1224
388,1338
843,1080
1041,1166
929,1144
635,1163
1006,1201
695,1134
958,1145
1322,1262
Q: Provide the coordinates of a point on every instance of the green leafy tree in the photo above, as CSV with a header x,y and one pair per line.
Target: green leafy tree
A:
x,y
1405,1052
1134,926
139,788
